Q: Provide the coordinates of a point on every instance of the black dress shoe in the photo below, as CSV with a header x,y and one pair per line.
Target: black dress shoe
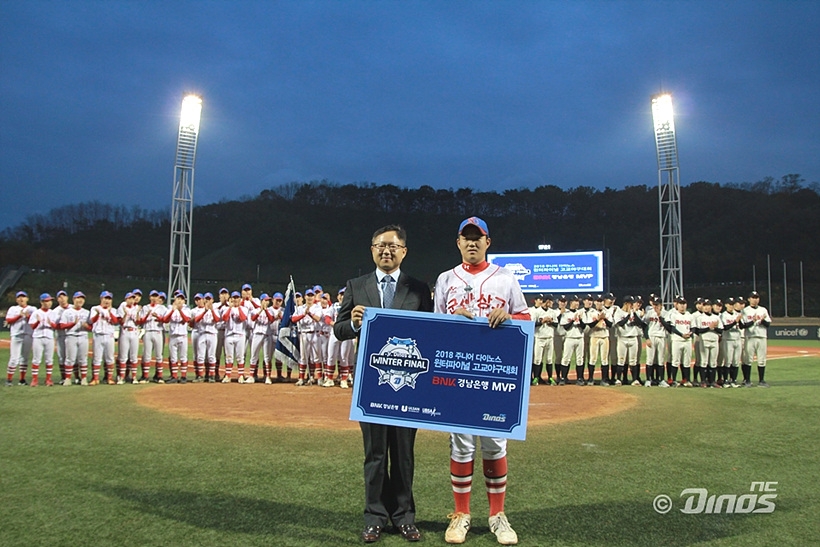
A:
x,y
410,532
371,534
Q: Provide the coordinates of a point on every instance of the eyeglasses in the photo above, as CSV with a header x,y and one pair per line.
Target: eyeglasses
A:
x,y
393,247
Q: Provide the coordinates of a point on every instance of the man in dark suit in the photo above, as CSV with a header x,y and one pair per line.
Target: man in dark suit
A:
x,y
388,450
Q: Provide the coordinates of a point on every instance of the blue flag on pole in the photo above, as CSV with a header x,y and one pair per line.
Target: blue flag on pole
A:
x,y
287,345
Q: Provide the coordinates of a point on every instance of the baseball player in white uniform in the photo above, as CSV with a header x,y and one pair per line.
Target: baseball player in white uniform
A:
x,y
325,329
340,351
278,312
600,321
656,347
730,341
709,329
150,319
74,322
205,320
103,320
474,289
544,336
43,324
679,324
20,351
630,329
307,317
62,306
220,307
262,319
199,304
574,323
755,321
129,340
235,318
177,319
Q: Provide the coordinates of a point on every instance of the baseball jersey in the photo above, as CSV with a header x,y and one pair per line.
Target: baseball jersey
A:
x,y
150,317
709,327
234,319
103,320
129,316
755,321
178,320
17,318
679,324
76,316
599,323
480,289
627,323
542,330
653,321
262,321
204,320
730,326
574,323
43,322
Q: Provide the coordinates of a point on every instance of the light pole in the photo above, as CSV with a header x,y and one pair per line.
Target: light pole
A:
x,y
668,198
182,205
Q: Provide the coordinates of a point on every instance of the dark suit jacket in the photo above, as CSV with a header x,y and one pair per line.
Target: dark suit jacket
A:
x,y
388,450
411,294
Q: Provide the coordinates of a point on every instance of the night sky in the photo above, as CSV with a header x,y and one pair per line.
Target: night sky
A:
x,y
488,95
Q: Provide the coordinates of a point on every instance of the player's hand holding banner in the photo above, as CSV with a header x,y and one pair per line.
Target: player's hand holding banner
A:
x,y
443,372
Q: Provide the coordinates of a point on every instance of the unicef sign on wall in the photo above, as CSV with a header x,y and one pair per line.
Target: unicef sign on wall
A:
x,y
799,332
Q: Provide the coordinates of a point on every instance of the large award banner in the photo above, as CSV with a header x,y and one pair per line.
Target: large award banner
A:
x,y
443,372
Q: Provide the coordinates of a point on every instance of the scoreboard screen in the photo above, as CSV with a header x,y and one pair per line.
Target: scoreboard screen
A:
x,y
581,271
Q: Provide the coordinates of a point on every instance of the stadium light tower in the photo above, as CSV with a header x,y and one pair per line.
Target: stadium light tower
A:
x,y
182,206
668,198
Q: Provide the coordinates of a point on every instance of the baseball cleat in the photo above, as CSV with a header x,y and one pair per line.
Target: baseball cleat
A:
x,y
329,383
183,380
34,382
120,381
9,383
300,382
500,526
84,382
226,380
762,384
458,527
250,380
343,384
268,381
49,382
618,383
648,383
22,382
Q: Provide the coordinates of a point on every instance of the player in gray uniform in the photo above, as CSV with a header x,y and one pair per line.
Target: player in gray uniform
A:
x,y
755,321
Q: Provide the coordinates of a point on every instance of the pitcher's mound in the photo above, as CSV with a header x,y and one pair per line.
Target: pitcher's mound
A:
x,y
285,405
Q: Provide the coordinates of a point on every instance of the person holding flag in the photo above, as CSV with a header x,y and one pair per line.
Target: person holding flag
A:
x,y
286,353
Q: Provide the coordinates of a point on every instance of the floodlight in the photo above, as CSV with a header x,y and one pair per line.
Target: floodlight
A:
x,y
191,112
662,112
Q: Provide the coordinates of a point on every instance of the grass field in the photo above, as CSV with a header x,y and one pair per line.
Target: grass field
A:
x,y
90,467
